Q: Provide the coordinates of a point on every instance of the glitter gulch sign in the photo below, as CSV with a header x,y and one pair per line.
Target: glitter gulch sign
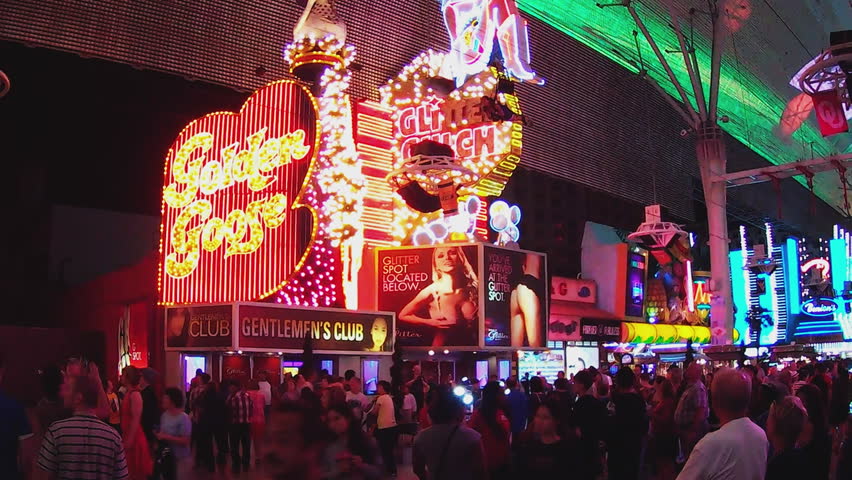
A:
x,y
234,225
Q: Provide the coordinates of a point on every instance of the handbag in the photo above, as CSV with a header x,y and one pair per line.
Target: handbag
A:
x,y
165,465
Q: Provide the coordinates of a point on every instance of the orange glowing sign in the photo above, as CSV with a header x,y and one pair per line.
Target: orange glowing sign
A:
x,y
234,227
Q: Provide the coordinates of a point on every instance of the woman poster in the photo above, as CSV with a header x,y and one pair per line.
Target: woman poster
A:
x,y
378,335
177,327
525,307
445,311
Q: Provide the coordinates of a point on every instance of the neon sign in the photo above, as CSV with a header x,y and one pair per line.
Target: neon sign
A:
x,y
489,149
818,263
234,224
474,26
819,307
439,121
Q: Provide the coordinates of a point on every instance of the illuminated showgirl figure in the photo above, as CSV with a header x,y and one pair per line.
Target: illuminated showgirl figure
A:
x,y
473,26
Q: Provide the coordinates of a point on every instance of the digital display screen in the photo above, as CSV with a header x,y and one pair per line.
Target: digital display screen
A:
x,y
636,265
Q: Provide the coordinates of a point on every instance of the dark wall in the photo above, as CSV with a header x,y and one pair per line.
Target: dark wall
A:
x,y
27,350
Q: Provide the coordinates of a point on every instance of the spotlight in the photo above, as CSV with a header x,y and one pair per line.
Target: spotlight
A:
x,y
431,352
240,352
459,391
507,391
446,352
467,399
464,379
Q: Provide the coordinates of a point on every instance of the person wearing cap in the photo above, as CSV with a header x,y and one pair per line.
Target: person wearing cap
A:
x,y
150,404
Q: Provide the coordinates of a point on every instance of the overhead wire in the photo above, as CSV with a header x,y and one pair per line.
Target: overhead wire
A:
x,y
810,55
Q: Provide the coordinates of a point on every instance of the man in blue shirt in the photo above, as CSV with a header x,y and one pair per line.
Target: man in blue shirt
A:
x,y
517,402
15,434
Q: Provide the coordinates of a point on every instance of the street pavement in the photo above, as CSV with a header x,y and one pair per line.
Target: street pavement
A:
x,y
405,473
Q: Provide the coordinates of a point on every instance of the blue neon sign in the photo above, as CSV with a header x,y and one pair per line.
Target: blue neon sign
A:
x,y
819,307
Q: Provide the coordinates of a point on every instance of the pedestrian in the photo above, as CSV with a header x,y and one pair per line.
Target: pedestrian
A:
x,y
815,440
150,403
739,449
407,416
351,454
240,409
295,437
417,386
692,410
258,418
266,389
549,451
16,435
204,422
675,376
663,444
516,404
448,450
494,428
786,420
196,380
220,422
83,446
51,406
287,390
355,398
589,418
114,419
537,396
386,431
174,434
139,461
77,366
630,425
563,393
347,376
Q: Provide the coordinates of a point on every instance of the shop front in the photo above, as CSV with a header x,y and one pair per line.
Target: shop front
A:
x,y
240,340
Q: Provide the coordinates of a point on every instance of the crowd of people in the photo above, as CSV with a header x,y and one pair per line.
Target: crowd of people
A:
x,y
746,423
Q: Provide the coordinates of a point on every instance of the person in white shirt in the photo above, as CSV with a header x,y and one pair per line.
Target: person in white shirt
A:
x,y
386,426
409,406
356,399
266,389
738,450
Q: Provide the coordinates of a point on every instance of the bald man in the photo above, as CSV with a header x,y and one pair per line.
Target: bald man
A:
x,y
738,450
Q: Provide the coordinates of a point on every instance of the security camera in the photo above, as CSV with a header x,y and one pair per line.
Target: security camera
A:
x,y
724,119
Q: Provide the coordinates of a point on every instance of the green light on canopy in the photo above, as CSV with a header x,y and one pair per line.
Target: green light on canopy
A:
x,y
753,108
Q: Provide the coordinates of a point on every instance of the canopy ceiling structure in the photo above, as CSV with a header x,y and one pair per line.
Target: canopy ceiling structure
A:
x,y
759,60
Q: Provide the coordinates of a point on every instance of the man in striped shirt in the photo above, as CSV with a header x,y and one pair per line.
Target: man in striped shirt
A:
x,y
240,408
81,447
